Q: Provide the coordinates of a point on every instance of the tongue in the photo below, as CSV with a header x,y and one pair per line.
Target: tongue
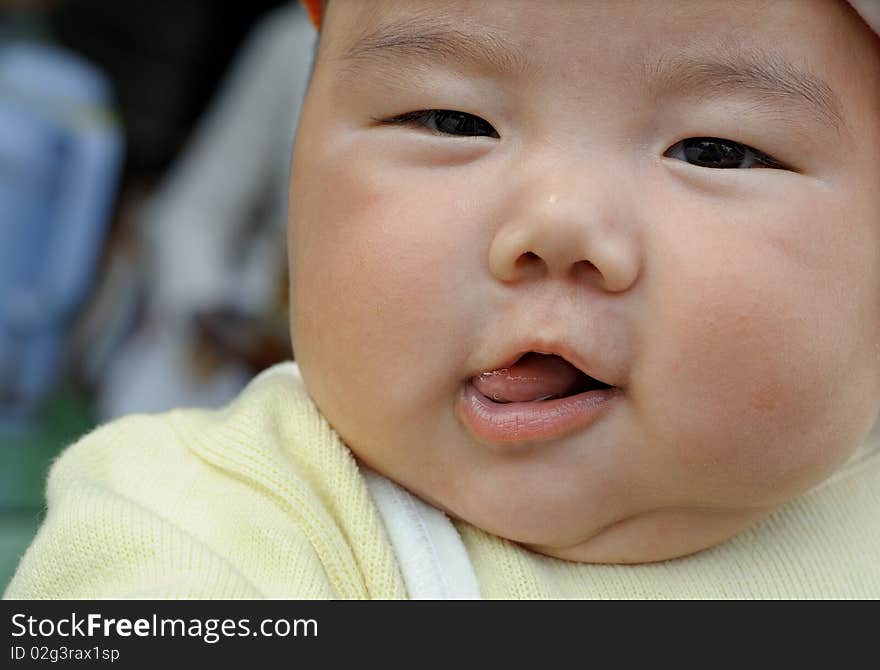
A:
x,y
532,377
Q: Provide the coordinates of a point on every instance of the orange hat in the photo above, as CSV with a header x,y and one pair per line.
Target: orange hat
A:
x,y
315,8
868,9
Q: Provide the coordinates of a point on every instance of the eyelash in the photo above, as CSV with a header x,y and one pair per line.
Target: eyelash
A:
x,y
469,125
428,118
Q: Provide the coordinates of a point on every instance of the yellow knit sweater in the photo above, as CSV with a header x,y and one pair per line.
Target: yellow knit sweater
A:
x,y
262,499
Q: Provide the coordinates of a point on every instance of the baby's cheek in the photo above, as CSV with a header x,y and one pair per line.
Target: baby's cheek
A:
x,y
383,286
744,391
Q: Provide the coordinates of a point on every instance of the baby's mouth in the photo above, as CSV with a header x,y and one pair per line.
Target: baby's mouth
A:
x,y
538,398
535,377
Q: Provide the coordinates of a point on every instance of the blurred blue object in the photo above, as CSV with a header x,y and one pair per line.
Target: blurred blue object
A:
x,y
61,152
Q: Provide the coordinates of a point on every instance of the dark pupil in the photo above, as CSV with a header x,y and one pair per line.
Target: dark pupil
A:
x,y
713,153
459,123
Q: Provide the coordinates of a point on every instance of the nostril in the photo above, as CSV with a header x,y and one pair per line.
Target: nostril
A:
x,y
529,262
584,269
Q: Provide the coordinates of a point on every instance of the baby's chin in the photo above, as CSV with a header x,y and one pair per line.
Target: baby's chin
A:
x,y
647,536
657,535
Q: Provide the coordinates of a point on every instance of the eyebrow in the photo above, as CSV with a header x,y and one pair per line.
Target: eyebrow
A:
x,y
768,78
420,40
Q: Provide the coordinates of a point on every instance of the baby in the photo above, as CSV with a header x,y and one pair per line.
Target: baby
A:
x,y
584,305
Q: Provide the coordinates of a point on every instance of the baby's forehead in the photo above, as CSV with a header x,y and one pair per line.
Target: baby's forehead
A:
x,y
791,23
527,30
786,55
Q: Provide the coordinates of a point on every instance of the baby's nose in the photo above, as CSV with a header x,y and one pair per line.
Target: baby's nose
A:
x,y
561,236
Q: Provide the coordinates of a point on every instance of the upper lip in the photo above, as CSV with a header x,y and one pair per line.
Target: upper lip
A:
x,y
586,363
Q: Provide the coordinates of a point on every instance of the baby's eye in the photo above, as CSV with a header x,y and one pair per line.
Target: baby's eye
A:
x,y
446,122
714,152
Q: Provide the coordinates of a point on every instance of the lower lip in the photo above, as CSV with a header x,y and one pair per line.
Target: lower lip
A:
x,y
513,422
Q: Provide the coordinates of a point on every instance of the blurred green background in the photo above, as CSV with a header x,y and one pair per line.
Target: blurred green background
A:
x,y
24,462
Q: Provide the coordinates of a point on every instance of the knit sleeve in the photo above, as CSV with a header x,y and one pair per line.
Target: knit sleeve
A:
x,y
133,513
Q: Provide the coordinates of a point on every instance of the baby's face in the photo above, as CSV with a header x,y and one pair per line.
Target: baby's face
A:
x,y
679,199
